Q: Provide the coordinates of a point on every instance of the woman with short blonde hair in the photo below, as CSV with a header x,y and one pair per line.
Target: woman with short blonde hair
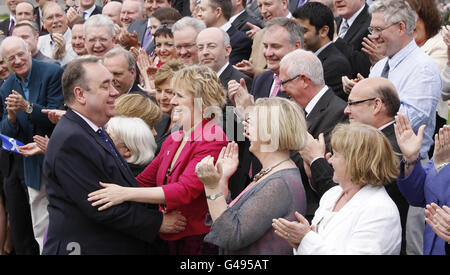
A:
x,y
136,105
244,226
357,216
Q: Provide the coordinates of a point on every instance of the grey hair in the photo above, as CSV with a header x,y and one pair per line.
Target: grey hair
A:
x,y
141,6
188,21
293,28
120,51
99,20
136,135
7,39
49,5
304,62
395,11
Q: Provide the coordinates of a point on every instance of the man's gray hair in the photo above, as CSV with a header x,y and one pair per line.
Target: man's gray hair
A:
x,y
293,28
187,21
120,51
99,20
304,62
141,6
395,11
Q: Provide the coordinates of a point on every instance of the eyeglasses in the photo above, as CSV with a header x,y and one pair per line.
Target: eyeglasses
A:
x,y
373,30
186,46
290,79
350,103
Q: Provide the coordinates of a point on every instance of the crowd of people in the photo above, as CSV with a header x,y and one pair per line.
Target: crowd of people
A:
x,y
250,127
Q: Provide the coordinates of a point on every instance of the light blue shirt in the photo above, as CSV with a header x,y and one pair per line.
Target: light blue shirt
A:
x,y
418,82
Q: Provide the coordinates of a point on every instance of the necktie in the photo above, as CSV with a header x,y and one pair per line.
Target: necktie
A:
x,y
84,15
385,72
344,28
11,27
147,38
277,86
300,3
111,147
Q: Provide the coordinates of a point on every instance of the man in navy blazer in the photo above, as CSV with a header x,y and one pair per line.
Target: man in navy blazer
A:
x,y
80,155
34,86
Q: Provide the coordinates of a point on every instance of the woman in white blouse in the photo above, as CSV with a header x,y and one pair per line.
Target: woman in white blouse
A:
x,y
357,216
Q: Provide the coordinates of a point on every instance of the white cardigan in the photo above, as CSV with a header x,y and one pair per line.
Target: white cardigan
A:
x,y
368,224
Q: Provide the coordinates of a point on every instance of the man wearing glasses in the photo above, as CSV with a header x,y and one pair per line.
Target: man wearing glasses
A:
x,y
415,76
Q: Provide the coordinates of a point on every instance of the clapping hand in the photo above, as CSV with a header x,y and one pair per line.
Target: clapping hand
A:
x,y
348,83
54,115
59,50
441,153
408,141
373,50
208,173
439,220
294,231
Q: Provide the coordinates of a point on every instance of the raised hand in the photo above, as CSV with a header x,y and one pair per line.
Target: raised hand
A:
x,y
253,30
407,140
41,142
314,148
207,172
228,160
441,153
246,67
373,50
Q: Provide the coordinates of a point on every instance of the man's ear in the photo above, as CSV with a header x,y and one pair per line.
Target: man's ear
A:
x,y
80,95
323,32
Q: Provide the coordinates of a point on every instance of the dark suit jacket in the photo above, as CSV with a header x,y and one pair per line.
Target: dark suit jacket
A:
x,y
240,22
183,6
97,10
293,5
140,26
45,93
241,45
262,84
38,21
76,160
328,112
4,26
230,73
335,65
351,45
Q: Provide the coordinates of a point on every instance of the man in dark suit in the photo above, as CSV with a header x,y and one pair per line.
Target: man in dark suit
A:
x,y
216,13
89,8
7,25
79,155
34,86
240,17
318,23
351,29
302,76
141,26
375,102
294,4
121,64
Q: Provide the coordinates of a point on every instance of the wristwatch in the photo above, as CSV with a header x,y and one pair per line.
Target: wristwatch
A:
x,y
29,108
214,196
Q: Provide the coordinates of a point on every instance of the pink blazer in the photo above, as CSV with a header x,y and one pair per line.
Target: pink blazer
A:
x,y
182,188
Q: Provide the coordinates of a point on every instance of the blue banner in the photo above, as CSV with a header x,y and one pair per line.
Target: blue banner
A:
x,y
10,144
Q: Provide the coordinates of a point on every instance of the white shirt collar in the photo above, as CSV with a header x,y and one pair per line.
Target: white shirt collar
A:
x,y
88,121
315,99
353,17
226,26
232,18
322,48
222,69
386,125
89,11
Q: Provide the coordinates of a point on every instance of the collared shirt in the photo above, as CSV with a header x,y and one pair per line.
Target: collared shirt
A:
x,y
88,121
88,12
24,85
351,19
315,99
417,80
386,125
226,26
222,69
322,48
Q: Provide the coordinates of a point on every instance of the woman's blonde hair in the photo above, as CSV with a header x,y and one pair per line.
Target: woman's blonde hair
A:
x,y
136,105
368,153
201,82
167,70
281,122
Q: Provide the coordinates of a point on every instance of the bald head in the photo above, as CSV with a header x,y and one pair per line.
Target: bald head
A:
x,y
373,101
112,10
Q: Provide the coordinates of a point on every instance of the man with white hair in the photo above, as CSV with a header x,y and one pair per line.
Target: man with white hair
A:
x,y
131,10
99,35
112,10
185,33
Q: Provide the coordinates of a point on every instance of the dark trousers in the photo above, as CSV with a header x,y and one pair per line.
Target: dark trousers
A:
x,y
18,207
